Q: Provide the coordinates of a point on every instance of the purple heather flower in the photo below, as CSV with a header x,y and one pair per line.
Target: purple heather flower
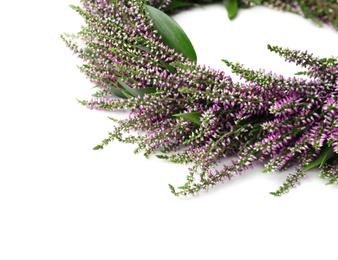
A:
x,y
265,116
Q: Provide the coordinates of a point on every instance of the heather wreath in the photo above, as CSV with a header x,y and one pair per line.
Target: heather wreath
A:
x,y
192,114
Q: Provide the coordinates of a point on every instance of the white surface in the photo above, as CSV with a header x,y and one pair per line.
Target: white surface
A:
x,y
59,199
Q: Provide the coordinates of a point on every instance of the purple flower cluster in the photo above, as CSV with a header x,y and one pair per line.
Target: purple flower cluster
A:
x,y
319,11
287,121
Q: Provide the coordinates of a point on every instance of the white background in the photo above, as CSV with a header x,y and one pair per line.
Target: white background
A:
x,y
59,199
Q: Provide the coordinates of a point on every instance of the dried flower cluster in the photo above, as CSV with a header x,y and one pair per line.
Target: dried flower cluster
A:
x,y
187,113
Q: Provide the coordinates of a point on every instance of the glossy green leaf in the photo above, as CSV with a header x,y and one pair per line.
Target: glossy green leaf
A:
x,y
148,90
131,92
170,68
127,95
194,117
325,155
178,4
117,92
172,33
232,8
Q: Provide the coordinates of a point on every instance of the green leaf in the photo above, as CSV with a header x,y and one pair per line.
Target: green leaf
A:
x,y
113,119
172,189
172,33
194,117
162,156
256,2
131,92
178,4
126,94
185,186
170,68
300,73
148,90
232,8
325,155
117,92
98,147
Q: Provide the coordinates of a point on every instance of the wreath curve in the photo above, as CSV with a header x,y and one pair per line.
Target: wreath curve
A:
x,y
141,60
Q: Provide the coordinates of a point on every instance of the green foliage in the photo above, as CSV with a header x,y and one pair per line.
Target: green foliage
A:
x,y
98,147
232,8
291,181
117,92
178,4
329,172
172,33
172,189
170,68
319,11
132,92
194,117
326,154
285,120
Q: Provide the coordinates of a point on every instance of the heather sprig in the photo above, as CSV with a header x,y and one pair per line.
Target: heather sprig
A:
x,y
292,180
192,114
330,172
319,11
